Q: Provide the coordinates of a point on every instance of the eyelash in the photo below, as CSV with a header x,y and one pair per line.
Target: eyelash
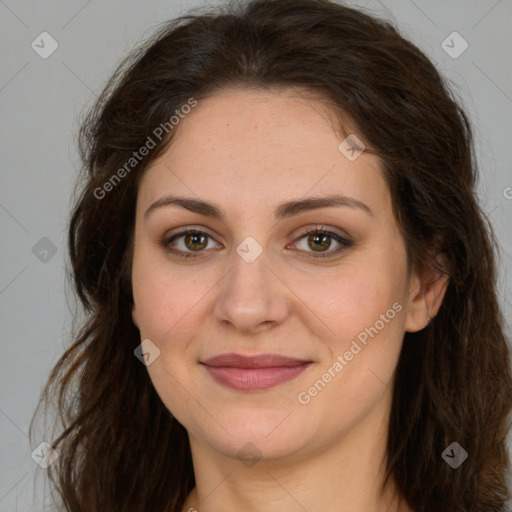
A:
x,y
345,242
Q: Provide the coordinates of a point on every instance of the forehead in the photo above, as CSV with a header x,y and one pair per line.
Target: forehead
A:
x,y
245,146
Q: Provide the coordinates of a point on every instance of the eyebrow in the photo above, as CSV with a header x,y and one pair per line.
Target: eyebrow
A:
x,y
284,210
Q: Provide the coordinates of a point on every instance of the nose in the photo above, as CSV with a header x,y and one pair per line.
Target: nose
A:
x,y
252,296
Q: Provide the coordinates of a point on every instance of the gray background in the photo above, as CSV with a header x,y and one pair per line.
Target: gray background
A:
x,y
40,101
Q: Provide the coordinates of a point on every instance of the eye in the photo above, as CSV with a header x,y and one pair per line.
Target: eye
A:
x,y
189,241
320,240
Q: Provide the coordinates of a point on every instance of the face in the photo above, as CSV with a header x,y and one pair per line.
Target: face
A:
x,y
324,286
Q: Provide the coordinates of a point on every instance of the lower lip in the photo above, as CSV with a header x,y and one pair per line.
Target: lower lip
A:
x,y
254,379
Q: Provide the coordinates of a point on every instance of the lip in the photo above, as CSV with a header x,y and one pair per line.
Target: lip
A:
x,y
254,373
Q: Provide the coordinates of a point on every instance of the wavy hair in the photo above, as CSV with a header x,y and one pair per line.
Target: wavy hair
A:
x,y
120,448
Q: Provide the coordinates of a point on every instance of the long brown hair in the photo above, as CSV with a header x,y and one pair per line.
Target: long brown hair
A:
x,y
120,448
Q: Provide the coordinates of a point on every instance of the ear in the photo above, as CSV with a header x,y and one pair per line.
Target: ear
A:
x,y
134,316
427,289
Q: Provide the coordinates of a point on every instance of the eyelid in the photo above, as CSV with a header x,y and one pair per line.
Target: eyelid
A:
x,y
189,228
321,228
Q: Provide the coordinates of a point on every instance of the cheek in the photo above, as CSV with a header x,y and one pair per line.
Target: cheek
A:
x,y
164,308
361,306
353,296
164,300
361,347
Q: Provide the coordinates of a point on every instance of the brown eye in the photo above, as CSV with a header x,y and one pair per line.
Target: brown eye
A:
x,y
196,241
319,242
188,244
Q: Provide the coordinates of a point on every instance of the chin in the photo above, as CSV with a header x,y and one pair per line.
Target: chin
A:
x,y
255,434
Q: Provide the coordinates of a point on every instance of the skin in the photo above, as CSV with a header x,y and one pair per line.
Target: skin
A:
x,y
248,151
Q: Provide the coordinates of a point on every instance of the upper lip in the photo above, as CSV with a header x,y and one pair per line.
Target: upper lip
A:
x,y
259,361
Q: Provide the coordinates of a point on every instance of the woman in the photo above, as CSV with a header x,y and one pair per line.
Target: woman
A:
x,y
289,285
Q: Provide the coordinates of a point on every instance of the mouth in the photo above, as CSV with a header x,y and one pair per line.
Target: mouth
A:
x,y
256,373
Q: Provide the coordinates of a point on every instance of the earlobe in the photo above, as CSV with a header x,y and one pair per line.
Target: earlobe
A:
x,y
425,300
